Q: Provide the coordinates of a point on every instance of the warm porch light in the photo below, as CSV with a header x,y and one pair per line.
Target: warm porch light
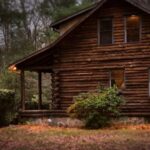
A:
x,y
133,15
13,68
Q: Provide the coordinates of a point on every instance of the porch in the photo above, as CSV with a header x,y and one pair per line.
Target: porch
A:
x,y
40,62
51,109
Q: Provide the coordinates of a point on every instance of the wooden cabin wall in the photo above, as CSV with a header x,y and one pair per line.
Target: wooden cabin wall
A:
x,y
82,64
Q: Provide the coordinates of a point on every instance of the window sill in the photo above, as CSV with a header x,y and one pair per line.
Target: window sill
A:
x,y
136,42
106,44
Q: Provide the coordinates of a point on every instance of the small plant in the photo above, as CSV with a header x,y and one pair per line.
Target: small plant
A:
x,y
96,108
33,104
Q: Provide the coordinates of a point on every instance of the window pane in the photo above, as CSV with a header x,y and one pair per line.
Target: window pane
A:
x,y
106,37
117,78
106,25
133,35
106,31
133,28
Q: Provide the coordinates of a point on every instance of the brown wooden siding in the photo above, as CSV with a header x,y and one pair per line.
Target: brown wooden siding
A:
x,y
82,65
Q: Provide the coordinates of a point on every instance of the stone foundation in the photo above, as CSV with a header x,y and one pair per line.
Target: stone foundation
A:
x,y
131,120
55,121
75,123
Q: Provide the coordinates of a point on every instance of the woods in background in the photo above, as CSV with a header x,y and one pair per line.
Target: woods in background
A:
x,y
25,24
25,27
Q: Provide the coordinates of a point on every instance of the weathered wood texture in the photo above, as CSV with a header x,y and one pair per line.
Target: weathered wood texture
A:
x,y
69,24
82,65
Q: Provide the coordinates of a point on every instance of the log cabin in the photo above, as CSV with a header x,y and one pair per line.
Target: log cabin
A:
x,y
107,43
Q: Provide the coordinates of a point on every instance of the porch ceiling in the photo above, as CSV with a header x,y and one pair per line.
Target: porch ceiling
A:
x,y
38,63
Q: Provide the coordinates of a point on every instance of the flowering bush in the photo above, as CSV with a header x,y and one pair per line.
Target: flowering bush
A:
x,y
96,109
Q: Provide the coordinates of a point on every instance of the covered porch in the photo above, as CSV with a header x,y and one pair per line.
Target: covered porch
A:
x,y
39,65
53,106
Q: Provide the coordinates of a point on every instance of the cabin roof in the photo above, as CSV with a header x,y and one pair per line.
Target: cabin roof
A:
x,y
72,16
141,4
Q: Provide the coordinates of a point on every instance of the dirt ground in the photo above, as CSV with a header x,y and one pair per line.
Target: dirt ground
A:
x,y
29,137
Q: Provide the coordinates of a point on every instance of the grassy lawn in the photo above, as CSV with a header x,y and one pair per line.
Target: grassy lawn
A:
x,y
50,138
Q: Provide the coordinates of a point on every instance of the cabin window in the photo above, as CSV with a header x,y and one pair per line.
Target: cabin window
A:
x,y
133,28
117,77
105,31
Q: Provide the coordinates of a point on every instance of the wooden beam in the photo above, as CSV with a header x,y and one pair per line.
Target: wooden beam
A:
x,y
22,79
46,69
40,89
39,67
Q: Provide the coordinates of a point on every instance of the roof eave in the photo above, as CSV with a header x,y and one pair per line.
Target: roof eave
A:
x,y
134,3
59,22
18,63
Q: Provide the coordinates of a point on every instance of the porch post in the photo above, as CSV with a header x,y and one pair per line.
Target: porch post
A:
x,y
22,79
40,89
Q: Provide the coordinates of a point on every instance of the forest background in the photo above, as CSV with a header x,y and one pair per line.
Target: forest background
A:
x,y
25,28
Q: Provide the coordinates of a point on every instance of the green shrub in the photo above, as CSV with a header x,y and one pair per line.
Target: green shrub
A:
x,y
96,109
7,107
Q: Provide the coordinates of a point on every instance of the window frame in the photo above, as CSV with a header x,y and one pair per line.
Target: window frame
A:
x,y
99,30
110,76
125,29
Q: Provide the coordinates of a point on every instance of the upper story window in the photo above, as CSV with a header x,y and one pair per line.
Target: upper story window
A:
x,y
133,28
105,31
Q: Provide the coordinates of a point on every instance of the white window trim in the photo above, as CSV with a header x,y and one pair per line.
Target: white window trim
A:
x,y
98,31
